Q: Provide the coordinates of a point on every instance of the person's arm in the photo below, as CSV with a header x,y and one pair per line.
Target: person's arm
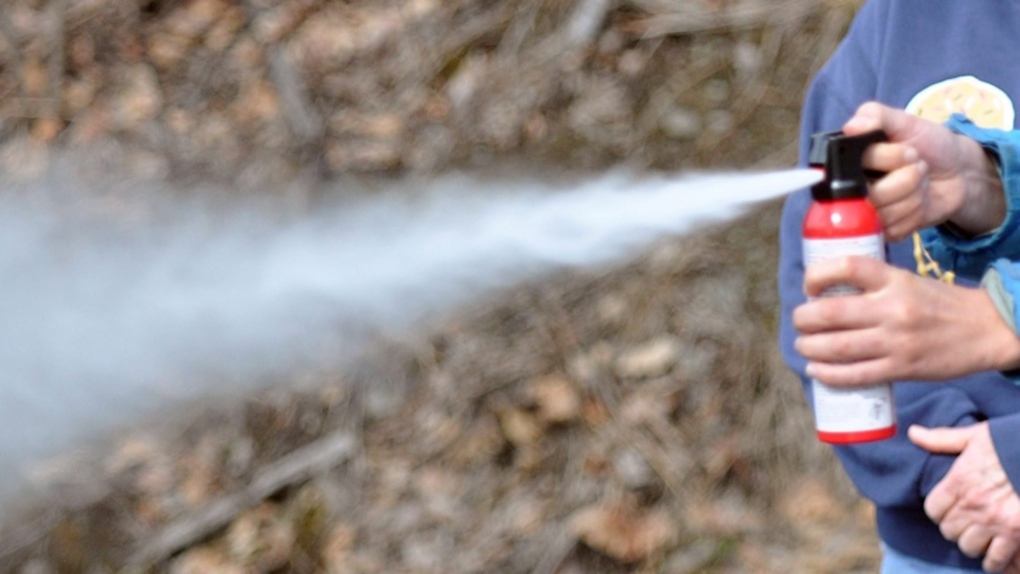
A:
x,y
976,504
966,180
892,473
901,326
907,326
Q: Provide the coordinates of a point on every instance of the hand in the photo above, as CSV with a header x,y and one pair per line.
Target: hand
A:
x,y
974,504
933,175
901,326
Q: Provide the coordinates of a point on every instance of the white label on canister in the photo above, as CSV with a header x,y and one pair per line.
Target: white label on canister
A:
x,y
852,410
816,250
849,410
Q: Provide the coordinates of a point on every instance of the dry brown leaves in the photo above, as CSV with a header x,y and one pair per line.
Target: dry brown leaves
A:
x,y
623,533
637,421
411,85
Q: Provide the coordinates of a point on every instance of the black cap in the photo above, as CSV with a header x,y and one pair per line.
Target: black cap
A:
x,y
845,177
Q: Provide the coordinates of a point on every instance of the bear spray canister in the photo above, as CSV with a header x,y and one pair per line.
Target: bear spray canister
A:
x,y
841,222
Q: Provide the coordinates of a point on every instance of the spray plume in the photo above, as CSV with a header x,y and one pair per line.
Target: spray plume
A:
x,y
105,319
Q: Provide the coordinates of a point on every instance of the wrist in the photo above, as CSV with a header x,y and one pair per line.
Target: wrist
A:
x,y
1000,345
983,206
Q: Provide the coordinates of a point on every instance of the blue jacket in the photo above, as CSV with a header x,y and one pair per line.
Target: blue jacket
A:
x,y
970,257
894,50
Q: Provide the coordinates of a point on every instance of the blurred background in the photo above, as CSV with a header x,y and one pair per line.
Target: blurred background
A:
x,y
628,419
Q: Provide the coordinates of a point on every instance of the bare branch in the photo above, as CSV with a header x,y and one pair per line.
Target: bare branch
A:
x,y
297,107
294,468
56,63
684,19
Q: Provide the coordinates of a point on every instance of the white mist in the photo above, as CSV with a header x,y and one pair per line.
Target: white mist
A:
x,y
104,320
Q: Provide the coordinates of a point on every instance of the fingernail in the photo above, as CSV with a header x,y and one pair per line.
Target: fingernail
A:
x,y
810,370
922,168
856,123
910,155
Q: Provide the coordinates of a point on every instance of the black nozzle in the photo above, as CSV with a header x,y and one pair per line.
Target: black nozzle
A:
x,y
820,148
845,177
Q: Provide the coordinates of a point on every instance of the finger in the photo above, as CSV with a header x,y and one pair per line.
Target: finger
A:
x,y
898,186
864,273
939,502
848,345
888,157
943,440
826,315
902,219
952,530
900,230
1000,552
859,374
900,200
975,540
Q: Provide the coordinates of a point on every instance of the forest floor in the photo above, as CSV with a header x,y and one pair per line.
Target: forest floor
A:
x,y
633,419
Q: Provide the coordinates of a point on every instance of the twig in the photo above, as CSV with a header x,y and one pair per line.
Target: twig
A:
x,y
11,35
514,36
297,107
296,467
585,22
25,535
286,19
558,550
664,464
579,31
57,61
302,118
464,36
684,20
664,96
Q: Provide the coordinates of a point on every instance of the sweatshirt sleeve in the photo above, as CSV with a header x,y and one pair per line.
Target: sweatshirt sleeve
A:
x,y
969,257
997,251
893,472
1004,431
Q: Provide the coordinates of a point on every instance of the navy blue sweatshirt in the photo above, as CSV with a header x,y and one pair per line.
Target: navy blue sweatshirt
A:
x,y
922,55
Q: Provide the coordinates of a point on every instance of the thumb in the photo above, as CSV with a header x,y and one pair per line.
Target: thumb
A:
x,y
867,118
897,124
943,440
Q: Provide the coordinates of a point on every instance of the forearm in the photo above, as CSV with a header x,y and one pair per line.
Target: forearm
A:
x,y
901,326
